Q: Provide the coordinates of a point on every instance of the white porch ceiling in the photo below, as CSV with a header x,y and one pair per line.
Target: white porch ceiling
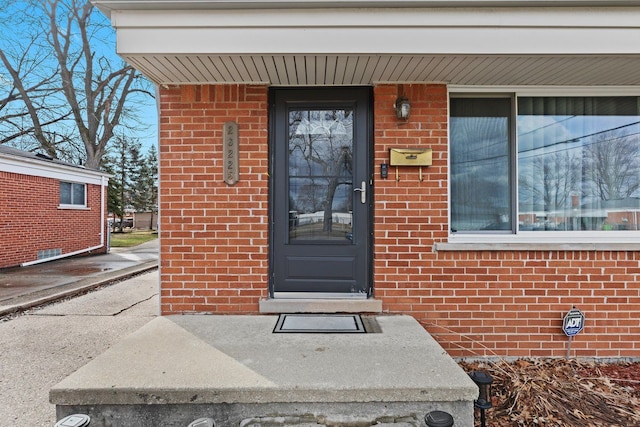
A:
x,y
287,43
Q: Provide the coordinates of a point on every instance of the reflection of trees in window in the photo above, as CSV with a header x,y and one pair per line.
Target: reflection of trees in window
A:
x,y
613,166
320,159
309,198
547,182
577,159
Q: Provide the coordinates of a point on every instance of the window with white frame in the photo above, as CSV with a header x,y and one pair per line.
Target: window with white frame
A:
x,y
72,194
523,164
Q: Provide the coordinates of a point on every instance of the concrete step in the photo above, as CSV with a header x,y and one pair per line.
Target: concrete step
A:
x,y
235,370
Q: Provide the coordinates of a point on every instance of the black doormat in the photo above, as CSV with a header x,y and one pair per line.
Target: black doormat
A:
x,y
320,324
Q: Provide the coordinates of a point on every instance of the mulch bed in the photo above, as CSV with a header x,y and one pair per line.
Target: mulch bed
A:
x,y
562,392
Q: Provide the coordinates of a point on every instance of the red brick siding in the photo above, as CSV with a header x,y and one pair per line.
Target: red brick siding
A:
x,y
512,303
485,303
30,220
214,237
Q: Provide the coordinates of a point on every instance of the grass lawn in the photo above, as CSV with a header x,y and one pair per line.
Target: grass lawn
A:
x,y
131,238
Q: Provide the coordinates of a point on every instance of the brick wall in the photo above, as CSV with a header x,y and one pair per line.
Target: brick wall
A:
x,y
486,303
214,236
30,220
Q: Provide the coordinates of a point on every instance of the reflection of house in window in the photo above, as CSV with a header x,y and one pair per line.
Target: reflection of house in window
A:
x,y
621,214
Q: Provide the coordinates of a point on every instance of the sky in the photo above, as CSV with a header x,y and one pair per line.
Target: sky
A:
x,y
16,37
148,113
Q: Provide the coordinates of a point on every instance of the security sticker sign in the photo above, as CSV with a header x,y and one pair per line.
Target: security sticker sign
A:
x,y
573,322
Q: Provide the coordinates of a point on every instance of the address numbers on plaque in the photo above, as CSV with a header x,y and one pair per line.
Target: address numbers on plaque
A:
x,y
231,166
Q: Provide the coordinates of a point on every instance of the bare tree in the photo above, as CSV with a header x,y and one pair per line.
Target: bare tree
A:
x,y
91,95
28,75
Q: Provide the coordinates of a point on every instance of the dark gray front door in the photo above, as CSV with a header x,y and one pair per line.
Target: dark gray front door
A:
x,y
321,192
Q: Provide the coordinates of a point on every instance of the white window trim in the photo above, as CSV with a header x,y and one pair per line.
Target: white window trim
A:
x,y
537,240
74,206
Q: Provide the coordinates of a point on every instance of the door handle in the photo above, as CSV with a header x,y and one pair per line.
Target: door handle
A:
x,y
363,192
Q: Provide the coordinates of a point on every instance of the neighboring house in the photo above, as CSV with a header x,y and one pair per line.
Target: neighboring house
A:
x,y
475,164
48,209
145,220
135,220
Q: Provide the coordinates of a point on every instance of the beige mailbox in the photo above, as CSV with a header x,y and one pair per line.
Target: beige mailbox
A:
x,y
410,157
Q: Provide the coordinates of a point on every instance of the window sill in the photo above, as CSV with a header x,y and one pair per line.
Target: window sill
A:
x,y
74,207
513,246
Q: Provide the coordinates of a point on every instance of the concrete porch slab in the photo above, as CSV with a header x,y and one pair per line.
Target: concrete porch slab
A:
x,y
235,370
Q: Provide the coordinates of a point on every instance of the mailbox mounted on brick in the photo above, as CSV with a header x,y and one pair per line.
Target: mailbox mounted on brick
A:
x,y
410,157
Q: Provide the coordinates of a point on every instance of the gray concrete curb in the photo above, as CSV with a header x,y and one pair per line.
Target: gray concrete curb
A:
x,y
47,296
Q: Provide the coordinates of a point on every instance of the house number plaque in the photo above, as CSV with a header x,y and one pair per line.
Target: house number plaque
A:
x,y
230,135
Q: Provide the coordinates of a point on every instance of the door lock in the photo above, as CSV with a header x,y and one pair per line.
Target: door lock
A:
x,y
363,192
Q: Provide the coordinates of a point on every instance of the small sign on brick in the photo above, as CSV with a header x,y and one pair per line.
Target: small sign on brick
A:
x,y
572,325
573,322
231,166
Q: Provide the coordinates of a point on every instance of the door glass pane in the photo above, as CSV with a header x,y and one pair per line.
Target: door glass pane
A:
x,y
320,175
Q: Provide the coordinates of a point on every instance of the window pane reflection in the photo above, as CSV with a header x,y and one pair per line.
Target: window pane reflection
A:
x,y
480,168
579,163
78,194
320,175
65,193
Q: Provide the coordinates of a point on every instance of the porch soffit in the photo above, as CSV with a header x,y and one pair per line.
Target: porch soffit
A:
x,y
541,46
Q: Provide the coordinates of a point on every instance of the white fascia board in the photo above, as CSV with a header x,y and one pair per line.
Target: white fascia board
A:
x,y
107,6
432,41
604,17
30,167
394,31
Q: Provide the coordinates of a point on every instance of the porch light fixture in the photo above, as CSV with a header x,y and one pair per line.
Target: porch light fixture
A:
x,y
483,381
403,108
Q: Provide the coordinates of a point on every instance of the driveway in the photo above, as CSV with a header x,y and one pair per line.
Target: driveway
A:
x,y
25,287
42,346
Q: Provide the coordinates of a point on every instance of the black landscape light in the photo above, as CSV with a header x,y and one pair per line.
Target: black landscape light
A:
x,y
438,419
75,420
202,422
483,381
